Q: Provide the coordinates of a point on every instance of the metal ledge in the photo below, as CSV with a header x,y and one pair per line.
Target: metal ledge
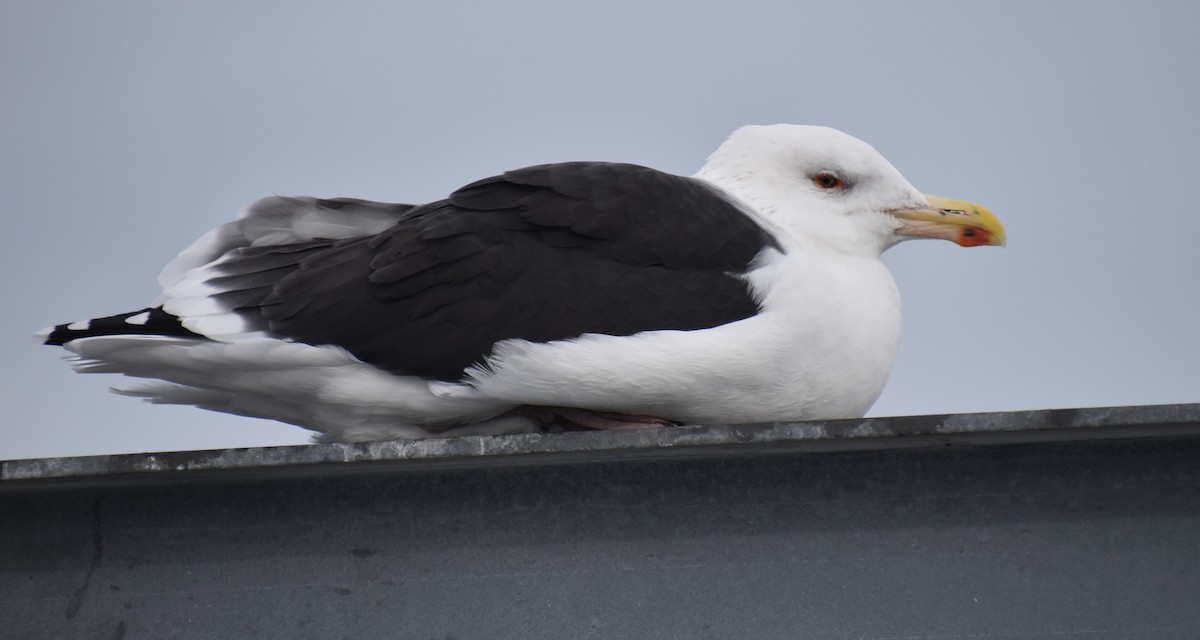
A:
x,y
974,429
1037,525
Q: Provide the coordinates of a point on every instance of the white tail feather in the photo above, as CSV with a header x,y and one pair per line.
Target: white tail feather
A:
x,y
320,388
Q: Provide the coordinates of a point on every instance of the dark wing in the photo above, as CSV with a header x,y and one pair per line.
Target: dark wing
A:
x,y
542,253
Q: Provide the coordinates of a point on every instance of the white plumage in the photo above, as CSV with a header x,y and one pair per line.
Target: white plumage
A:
x,y
818,341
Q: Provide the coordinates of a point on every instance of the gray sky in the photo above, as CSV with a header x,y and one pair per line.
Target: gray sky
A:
x,y
130,128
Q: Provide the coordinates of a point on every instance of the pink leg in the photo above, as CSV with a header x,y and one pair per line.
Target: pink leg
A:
x,y
595,419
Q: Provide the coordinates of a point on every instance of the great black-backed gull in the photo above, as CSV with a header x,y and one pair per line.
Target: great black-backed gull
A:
x,y
608,295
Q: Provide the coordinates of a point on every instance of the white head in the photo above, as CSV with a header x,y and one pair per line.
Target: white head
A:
x,y
832,191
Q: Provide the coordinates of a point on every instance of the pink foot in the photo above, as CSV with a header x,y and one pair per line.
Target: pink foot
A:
x,y
595,419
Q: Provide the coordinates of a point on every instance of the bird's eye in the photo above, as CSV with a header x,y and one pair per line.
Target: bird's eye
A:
x,y
828,180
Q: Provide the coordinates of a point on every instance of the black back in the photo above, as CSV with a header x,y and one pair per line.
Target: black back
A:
x,y
543,253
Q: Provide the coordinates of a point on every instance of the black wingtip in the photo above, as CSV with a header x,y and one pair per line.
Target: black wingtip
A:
x,y
143,322
49,335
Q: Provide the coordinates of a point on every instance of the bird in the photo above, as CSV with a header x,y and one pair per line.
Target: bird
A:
x,y
595,295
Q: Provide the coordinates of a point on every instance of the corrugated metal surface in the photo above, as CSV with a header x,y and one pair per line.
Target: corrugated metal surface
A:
x,y
1084,525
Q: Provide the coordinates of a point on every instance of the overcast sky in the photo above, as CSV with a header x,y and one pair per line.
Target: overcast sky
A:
x,y
131,128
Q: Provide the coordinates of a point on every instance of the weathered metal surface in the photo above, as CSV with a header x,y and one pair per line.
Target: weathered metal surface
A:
x,y
752,439
1080,530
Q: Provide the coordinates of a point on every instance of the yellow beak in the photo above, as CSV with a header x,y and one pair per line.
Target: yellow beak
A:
x,y
961,222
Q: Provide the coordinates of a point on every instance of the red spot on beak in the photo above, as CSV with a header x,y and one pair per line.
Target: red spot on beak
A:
x,y
974,237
